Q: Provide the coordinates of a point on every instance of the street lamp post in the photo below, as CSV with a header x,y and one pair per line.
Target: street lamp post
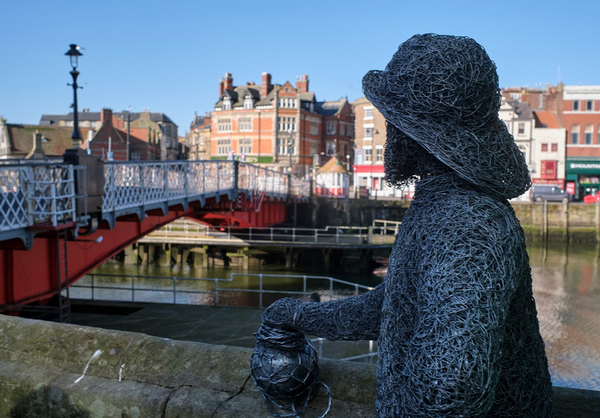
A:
x,y
74,55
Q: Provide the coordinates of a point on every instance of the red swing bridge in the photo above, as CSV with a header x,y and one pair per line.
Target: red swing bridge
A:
x,y
59,221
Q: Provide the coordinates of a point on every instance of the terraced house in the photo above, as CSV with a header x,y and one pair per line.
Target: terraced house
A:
x,y
281,126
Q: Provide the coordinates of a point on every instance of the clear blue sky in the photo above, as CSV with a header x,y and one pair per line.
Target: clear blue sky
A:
x,y
169,56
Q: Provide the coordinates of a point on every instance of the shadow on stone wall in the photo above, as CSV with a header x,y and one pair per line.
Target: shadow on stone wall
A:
x,y
36,404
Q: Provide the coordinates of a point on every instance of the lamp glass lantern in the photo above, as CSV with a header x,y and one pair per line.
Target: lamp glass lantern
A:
x,y
74,55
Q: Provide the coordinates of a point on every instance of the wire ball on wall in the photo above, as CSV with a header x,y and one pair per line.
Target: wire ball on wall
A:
x,y
455,317
284,366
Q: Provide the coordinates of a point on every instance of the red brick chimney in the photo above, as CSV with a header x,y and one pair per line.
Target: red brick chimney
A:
x,y
106,115
302,84
228,84
220,88
266,85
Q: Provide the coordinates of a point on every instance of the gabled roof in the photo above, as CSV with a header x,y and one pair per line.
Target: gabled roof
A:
x,y
333,166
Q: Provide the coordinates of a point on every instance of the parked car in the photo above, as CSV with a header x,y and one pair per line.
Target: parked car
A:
x,y
540,193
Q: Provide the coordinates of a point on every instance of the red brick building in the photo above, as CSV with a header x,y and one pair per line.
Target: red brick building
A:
x,y
281,126
109,142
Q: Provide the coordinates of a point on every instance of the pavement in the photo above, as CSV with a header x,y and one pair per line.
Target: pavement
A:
x,y
220,325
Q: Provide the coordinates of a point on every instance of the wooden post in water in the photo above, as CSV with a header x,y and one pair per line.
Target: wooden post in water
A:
x,y
597,221
565,220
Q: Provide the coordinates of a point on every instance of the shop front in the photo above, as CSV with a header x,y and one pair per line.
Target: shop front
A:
x,y
583,178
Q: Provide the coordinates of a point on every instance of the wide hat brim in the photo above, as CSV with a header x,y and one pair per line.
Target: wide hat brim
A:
x,y
477,146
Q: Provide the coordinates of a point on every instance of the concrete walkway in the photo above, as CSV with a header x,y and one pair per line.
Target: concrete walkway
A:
x,y
234,326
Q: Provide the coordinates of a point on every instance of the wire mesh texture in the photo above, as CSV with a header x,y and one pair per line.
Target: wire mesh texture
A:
x,y
455,317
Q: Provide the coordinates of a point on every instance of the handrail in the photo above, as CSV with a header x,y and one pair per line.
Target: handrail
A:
x,y
32,194
41,191
354,235
179,293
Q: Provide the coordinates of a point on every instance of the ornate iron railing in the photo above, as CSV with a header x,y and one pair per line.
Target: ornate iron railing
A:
x,y
42,192
35,194
129,184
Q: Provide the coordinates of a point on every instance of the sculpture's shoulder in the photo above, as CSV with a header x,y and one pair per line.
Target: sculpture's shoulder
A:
x,y
460,218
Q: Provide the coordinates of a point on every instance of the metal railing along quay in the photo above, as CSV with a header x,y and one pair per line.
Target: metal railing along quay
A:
x,y
240,289
193,232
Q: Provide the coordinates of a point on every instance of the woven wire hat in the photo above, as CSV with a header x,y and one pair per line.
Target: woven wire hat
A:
x,y
442,91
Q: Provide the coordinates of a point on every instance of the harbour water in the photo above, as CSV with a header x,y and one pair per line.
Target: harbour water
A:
x,y
566,283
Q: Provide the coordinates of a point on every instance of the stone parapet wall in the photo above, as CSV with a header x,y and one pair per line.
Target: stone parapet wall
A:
x,y
41,364
58,370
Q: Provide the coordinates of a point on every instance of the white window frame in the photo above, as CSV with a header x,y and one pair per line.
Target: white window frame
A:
x,y
330,127
248,102
575,106
226,103
589,103
314,128
588,134
245,124
368,113
223,146
574,140
330,148
286,123
283,146
245,146
224,125
521,128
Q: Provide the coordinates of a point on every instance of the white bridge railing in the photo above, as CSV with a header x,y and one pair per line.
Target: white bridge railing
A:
x,y
39,193
138,184
36,194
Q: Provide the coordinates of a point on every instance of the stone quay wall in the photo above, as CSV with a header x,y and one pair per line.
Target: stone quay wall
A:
x,y
61,370
562,222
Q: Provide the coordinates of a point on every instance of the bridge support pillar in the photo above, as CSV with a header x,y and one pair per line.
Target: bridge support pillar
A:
x,y
200,256
289,258
164,255
131,255
150,253
243,253
366,259
185,253
327,259
175,254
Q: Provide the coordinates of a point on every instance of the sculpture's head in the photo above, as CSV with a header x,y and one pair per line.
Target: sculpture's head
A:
x,y
440,97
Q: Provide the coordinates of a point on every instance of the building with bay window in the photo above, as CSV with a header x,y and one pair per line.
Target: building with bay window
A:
x,y
281,126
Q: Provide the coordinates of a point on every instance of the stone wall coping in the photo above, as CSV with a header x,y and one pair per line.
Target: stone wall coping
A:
x,y
68,370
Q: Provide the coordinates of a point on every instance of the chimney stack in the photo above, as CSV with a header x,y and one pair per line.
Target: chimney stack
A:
x,y
220,88
228,82
302,84
106,115
266,84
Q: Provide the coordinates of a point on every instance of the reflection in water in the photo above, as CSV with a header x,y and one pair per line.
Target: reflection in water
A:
x,y
566,287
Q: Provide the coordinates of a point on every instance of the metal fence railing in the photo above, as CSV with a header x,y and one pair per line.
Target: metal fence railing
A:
x,y
240,289
134,184
350,235
34,194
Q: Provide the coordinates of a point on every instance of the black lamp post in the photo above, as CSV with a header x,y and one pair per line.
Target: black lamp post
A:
x,y
74,55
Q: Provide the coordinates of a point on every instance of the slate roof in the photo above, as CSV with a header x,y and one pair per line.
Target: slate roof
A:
x,y
330,108
522,109
96,116
56,139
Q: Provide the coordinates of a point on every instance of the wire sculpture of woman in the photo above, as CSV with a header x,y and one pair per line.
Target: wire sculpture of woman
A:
x,y
455,317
